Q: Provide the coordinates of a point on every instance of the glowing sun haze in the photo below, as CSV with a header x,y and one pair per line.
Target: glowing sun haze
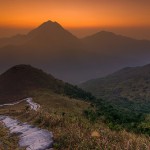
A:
x,y
75,13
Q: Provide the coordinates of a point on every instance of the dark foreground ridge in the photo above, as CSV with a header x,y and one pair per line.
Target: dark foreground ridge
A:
x,y
19,80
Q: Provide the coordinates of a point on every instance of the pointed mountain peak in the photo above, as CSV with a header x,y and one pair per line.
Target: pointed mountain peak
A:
x,y
46,28
50,30
102,34
106,33
49,23
20,69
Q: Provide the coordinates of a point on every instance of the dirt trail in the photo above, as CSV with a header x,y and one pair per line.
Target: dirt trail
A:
x,y
31,137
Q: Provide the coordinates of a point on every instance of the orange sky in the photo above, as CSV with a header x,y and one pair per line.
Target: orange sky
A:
x,y
75,13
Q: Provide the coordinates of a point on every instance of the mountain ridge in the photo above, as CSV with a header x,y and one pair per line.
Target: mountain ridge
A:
x,y
130,82
20,80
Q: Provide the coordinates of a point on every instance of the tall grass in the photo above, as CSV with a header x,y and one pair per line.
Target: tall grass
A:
x,y
8,141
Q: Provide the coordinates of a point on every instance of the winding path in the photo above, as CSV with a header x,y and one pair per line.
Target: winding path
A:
x,y
31,137
32,104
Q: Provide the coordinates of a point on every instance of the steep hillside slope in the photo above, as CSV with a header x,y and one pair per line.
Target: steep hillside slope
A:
x,y
18,81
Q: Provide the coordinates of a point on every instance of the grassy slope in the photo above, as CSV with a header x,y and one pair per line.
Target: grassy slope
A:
x,y
58,103
63,116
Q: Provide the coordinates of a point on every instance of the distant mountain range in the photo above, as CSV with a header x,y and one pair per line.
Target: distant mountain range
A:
x,y
57,51
131,83
18,81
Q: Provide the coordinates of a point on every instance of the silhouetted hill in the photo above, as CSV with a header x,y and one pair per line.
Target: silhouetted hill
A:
x,y
52,37
51,31
15,40
109,43
131,83
21,79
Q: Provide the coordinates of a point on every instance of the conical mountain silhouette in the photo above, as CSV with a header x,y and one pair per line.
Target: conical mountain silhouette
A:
x,y
52,35
49,35
50,28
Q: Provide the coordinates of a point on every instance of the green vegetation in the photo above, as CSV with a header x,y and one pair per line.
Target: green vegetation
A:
x,y
123,99
119,118
68,121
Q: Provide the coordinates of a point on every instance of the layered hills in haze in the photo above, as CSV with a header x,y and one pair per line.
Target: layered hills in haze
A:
x,y
49,39
108,43
67,57
18,81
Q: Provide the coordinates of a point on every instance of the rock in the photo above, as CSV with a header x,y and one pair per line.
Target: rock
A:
x,y
30,137
95,134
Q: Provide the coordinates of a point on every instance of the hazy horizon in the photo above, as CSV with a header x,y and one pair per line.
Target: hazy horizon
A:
x,y
81,17
133,32
49,46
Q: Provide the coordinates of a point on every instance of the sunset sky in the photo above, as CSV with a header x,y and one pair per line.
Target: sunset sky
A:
x,y
129,17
